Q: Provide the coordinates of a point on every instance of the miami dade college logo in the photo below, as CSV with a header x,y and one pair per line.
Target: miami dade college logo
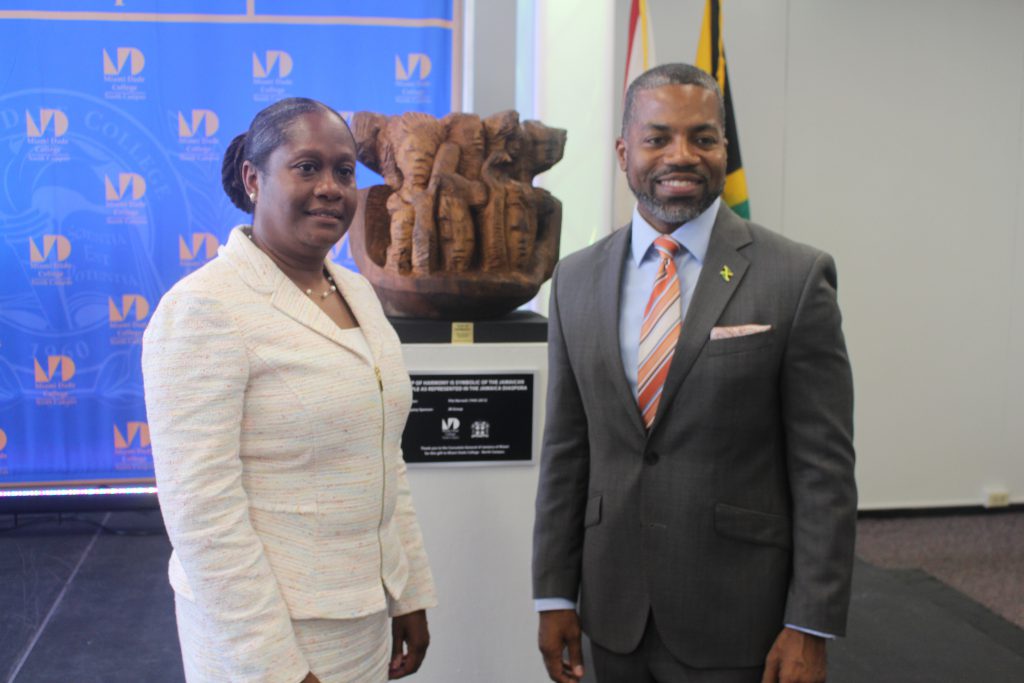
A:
x,y
198,121
53,378
121,69
198,249
128,318
131,57
47,121
53,245
132,446
414,61
411,76
115,191
134,438
272,59
270,75
48,374
133,307
196,134
49,261
450,428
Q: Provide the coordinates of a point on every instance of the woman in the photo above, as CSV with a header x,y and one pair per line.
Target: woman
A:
x,y
277,396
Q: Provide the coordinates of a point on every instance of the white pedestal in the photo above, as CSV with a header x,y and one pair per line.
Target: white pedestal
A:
x,y
478,525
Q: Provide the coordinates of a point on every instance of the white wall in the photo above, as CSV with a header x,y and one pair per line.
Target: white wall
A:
x,y
891,135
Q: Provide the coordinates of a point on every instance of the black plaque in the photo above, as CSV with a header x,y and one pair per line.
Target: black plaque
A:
x,y
470,418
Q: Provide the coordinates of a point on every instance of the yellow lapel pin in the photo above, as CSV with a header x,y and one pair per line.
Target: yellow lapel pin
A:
x,y
726,273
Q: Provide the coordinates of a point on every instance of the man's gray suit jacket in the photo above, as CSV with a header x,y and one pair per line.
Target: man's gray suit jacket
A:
x,y
735,514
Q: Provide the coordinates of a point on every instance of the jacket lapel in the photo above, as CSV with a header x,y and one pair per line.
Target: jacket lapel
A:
x,y
260,273
715,287
608,288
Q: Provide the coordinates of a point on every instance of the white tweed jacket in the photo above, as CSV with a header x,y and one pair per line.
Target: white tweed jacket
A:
x,y
277,453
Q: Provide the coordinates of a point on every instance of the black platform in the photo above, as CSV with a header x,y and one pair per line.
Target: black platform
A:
x,y
81,604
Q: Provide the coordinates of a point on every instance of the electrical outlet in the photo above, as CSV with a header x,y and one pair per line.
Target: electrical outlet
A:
x,y
997,498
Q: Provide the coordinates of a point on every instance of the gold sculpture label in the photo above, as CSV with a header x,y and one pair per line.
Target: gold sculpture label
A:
x,y
462,333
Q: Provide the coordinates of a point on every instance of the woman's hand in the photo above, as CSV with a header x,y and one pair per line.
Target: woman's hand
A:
x,y
410,639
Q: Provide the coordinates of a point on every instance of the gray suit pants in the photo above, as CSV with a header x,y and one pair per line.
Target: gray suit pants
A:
x,y
651,662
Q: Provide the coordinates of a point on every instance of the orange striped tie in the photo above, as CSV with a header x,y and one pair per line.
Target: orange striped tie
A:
x,y
659,332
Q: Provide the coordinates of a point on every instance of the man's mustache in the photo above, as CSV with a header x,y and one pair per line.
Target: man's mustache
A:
x,y
689,170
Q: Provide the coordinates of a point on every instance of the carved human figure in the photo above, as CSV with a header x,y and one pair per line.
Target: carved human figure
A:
x,y
455,198
467,132
455,232
413,139
454,195
503,137
373,149
520,224
542,148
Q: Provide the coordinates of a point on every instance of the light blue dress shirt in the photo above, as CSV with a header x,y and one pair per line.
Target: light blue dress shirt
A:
x,y
641,269
638,274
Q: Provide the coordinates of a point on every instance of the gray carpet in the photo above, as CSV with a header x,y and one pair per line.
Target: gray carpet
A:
x,y
980,555
81,604
78,604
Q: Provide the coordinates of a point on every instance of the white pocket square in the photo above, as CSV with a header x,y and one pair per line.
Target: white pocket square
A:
x,y
730,331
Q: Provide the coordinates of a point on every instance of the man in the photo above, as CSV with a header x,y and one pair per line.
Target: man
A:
x,y
696,493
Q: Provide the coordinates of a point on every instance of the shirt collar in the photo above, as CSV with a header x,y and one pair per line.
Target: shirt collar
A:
x,y
694,235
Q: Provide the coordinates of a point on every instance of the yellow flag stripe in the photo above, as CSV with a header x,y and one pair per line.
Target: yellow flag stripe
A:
x,y
735,188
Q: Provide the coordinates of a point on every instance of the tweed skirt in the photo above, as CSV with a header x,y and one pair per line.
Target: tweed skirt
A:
x,y
338,650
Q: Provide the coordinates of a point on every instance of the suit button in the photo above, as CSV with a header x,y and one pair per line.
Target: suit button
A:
x,y
651,457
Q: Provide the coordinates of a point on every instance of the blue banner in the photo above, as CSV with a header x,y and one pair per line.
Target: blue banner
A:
x,y
114,116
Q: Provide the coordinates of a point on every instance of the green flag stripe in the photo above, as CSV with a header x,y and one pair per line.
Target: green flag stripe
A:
x,y
742,209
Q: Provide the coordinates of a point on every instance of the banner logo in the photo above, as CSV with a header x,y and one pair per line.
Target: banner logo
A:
x,y
3,440
134,437
52,244
132,307
53,381
413,61
273,58
132,56
37,127
53,364
115,191
199,120
201,246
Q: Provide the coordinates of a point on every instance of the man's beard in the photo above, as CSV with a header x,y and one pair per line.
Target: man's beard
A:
x,y
679,211
675,212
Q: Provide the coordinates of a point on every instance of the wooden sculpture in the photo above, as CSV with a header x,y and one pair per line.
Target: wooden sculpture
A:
x,y
458,231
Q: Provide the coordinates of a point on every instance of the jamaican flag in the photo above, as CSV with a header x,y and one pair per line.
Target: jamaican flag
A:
x,y
711,58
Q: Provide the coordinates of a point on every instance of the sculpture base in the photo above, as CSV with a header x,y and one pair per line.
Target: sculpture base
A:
x,y
515,327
